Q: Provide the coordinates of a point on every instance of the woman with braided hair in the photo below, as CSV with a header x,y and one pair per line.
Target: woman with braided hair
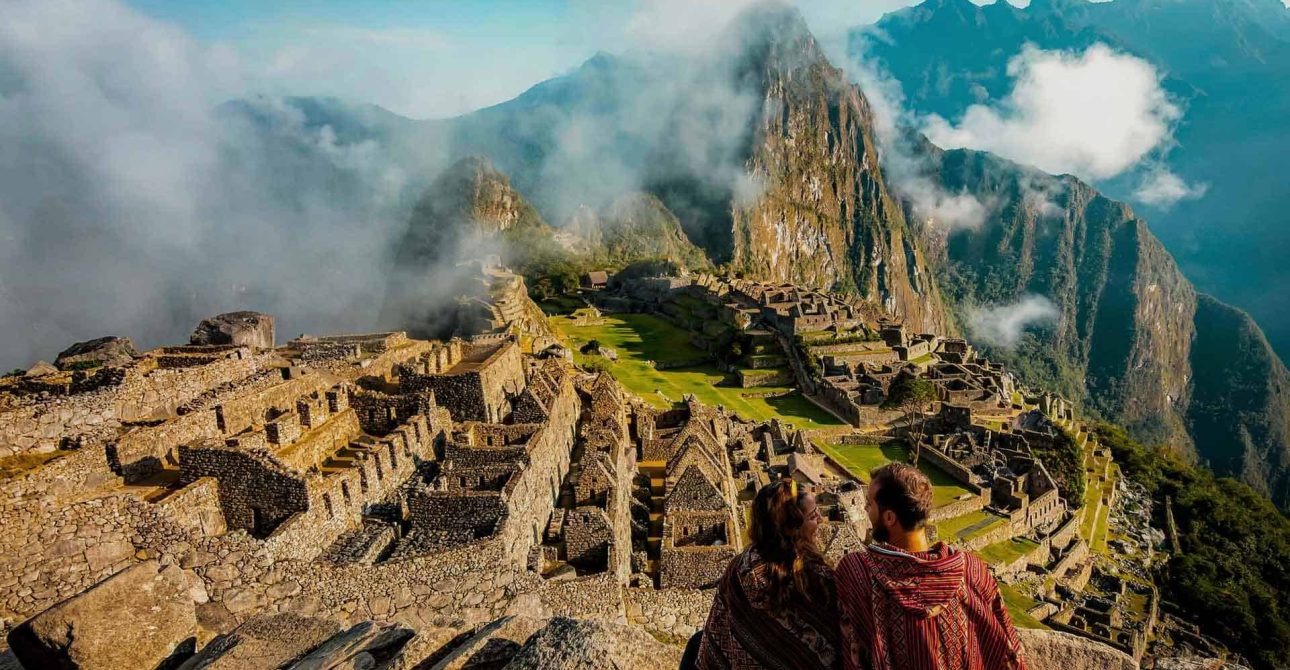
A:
x,y
775,605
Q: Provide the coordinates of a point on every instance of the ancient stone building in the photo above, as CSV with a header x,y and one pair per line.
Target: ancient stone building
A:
x,y
475,381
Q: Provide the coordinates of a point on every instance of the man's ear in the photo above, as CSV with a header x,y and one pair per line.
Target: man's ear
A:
x,y
889,518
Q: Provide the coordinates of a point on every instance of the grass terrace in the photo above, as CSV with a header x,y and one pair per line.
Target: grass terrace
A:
x,y
860,459
1007,551
967,526
1018,604
640,339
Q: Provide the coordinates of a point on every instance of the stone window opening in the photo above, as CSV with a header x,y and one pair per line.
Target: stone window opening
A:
x,y
331,513
344,492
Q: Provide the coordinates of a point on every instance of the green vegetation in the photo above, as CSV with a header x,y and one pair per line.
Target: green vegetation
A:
x,y
85,365
1018,605
643,340
1065,462
1007,551
1233,575
860,459
967,526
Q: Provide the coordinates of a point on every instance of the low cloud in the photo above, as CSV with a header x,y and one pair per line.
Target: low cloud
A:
x,y
1003,325
1164,189
905,166
1094,114
133,203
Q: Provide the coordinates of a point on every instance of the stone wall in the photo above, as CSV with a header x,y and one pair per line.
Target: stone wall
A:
x,y
951,467
673,614
312,448
146,390
588,537
476,390
196,507
693,567
960,507
256,492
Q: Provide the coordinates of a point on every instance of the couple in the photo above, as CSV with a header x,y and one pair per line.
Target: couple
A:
x,y
901,604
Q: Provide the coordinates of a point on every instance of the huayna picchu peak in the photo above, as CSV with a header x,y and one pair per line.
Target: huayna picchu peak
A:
x,y
733,345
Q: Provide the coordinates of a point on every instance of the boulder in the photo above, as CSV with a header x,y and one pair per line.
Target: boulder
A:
x,y
40,369
494,645
367,645
140,617
108,351
250,329
576,644
264,642
1054,650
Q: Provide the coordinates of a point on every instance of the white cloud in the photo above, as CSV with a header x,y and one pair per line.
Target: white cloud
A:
x,y
130,205
1162,188
1003,325
1095,114
905,166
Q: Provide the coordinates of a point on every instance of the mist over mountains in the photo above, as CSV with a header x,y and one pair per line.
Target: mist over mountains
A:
x,y
763,150
1209,186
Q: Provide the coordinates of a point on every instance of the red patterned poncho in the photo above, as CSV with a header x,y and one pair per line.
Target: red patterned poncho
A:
x,y
933,610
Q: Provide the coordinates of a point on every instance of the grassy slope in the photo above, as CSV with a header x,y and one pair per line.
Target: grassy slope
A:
x,y
640,338
859,459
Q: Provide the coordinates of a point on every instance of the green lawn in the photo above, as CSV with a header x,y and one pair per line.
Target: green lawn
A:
x,y
860,459
1017,604
1007,551
967,526
638,338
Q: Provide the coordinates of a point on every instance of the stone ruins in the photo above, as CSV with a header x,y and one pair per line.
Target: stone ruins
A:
x,y
423,503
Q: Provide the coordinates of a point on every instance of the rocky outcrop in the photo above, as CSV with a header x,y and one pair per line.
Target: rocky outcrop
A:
x,y
572,644
824,216
285,640
1134,341
1052,650
138,618
249,329
494,645
635,226
111,351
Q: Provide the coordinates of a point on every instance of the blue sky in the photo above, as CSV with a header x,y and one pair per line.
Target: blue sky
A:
x,y
437,58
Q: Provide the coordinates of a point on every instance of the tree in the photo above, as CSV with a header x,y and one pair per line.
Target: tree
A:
x,y
913,396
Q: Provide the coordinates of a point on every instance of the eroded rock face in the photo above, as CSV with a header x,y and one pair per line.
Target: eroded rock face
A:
x,y
573,644
1053,650
110,351
251,329
138,618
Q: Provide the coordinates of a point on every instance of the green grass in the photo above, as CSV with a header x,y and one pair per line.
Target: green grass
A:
x,y
561,304
967,526
1018,603
638,338
860,459
1007,551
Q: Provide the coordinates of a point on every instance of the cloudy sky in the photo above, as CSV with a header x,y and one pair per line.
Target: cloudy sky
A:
x,y
437,58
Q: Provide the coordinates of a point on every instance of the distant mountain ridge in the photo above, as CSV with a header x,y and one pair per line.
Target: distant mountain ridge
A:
x,y
1225,62
797,193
